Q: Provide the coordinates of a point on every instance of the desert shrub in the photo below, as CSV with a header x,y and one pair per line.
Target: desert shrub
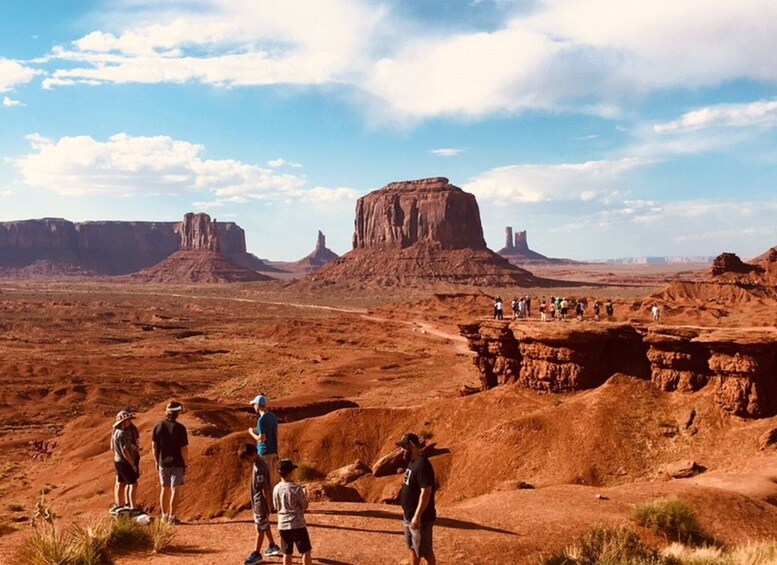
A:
x,y
305,472
706,555
16,508
608,545
162,535
87,546
43,546
124,534
755,553
669,517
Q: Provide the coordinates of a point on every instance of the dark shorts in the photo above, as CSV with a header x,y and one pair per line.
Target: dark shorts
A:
x,y
298,537
262,520
420,540
125,474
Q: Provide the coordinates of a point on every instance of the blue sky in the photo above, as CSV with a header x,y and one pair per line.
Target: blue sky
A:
x,y
605,128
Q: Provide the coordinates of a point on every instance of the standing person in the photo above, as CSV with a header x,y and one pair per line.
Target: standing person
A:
x,y
169,442
291,501
417,501
597,310
498,308
261,502
552,308
610,310
124,462
543,310
580,309
266,436
514,306
528,306
564,309
134,437
656,313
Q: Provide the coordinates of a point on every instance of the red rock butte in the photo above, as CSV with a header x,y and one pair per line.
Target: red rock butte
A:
x,y
199,259
425,229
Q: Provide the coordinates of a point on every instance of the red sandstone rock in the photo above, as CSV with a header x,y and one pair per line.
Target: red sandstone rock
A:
x,y
349,473
320,256
730,263
517,251
388,464
56,247
326,491
421,230
198,232
683,469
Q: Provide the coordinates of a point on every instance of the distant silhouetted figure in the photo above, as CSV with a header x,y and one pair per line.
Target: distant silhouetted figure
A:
x,y
597,310
543,311
609,308
655,311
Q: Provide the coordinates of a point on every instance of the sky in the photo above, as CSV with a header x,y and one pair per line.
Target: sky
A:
x,y
605,128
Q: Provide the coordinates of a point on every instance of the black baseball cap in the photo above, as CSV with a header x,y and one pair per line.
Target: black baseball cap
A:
x,y
285,466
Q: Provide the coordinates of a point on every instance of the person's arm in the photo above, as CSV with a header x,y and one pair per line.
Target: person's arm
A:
x,y
257,435
268,498
185,455
303,499
126,454
423,502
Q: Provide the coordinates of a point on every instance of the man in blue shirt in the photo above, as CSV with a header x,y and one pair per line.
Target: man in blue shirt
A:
x,y
266,436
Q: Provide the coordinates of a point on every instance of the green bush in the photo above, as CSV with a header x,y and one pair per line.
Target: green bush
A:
x,y
305,473
608,545
669,517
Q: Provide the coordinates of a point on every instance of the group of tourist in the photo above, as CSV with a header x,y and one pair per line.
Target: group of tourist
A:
x,y
269,492
556,308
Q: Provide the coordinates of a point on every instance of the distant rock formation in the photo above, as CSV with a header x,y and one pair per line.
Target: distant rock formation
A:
x,y
199,259
730,263
517,251
320,256
425,229
59,247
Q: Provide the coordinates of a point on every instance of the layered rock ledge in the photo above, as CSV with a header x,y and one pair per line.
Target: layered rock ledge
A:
x,y
741,364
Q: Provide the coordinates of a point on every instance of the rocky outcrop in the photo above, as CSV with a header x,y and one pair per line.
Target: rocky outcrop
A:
x,y
741,365
402,214
320,256
59,247
517,250
561,358
730,263
198,260
198,232
426,230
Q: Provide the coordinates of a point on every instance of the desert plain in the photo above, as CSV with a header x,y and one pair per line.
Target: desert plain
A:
x,y
348,371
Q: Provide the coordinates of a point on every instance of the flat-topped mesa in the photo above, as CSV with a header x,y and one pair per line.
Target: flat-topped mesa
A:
x,y
428,211
198,232
726,263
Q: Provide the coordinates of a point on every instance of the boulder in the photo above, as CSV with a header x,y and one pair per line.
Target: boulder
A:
x,y
767,439
326,491
391,493
389,464
683,469
349,473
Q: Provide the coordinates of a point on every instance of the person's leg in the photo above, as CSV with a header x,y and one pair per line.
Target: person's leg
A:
x,y
117,493
307,559
259,541
129,495
414,559
431,559
162,501
270,539
287,560
174,496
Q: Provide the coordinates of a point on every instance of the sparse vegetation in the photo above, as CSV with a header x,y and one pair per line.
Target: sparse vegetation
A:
x,y
16,508
608,545
305,473
49,545
669,517
754,553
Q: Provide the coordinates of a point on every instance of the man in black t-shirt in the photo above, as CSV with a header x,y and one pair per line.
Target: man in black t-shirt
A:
x,y
418,501
170,442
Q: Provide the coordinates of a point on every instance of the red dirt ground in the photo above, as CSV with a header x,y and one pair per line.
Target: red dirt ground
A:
x,y
349,373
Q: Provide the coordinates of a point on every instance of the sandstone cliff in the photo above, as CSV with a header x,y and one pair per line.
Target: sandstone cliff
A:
x,y
424,229
739,364
54,246
320,256
199,259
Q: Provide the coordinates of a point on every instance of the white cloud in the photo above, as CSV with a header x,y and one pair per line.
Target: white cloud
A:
x,y
762,113
588,181
275,163
10,102
127,165
560,55
446,152
6,193
13,74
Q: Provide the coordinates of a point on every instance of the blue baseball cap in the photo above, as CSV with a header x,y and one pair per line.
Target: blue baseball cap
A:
x,y
260,400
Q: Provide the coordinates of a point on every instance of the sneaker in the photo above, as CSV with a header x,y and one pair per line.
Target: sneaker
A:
x,y
253,558
115,508
272,550
173,520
